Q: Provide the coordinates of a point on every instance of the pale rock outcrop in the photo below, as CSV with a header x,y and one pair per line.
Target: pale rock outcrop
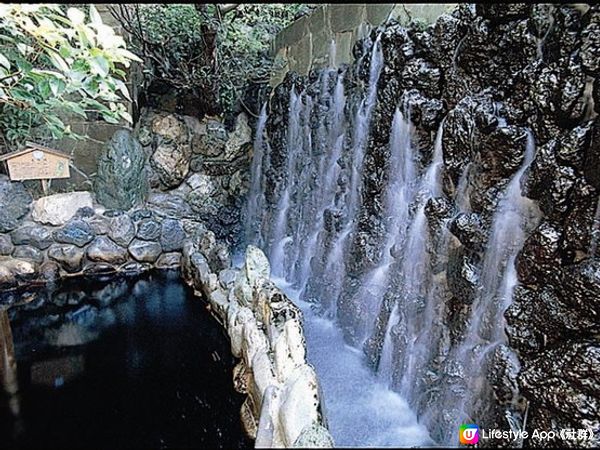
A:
x,y
57,209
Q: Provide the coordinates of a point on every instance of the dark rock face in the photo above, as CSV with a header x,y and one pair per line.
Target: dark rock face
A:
x,y
6,245
122,230
148,230
121,182
15,203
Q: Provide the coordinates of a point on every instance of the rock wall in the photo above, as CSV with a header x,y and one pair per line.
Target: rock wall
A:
x,y
486,76
67,235
307,43
283,407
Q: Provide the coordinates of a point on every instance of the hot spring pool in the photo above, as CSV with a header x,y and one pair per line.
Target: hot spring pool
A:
x,y
121,363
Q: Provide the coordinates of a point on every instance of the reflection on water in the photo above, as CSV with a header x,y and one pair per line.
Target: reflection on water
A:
x,y
119,363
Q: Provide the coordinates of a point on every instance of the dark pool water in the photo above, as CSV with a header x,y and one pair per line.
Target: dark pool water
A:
x,y
125,363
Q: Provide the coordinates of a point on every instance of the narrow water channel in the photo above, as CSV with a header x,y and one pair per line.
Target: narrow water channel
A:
x,y
126,363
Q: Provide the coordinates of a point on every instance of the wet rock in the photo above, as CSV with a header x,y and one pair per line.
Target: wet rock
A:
x,y
256,265
121,180
172,163
148,230
581,287
76,231
592,157
15,203
168,261
425,112
314,436
140,214
6,245
540,255
19,270
69,257
134,268
504,12
421,74
468,228
463,274
28,252
145,251
172,235
590,43
122,230
34,235
553,382
57,209
103,249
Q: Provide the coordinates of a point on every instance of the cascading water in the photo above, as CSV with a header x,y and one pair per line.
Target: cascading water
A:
x,y
255,202
515,216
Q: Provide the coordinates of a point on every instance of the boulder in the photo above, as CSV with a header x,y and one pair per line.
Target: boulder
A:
x,y
122,230
168,261
145,251
103,249
76,231
148,230
256,265
314,436
170,205
28,252
15,203
211,140
57,209
171,162
49,272
20,270
239,139
169,128
68,256
121,180
6,245
172,235
32,234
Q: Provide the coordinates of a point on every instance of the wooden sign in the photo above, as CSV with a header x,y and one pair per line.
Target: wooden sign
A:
x,y
36,162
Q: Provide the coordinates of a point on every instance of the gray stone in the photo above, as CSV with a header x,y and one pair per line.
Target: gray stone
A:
x,y
28,252
50,272
99,224
212,141
6,245
76,231
256,265
145,251
35,235
15,203
168,261
57,209
170,205
171,162
103,249
121,181
122,230
68,256
227,278
148,230
172,235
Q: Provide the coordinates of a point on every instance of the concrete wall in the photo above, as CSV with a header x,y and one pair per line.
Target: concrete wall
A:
x,y
307,43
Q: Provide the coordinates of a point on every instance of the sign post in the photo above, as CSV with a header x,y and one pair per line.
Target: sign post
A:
x,y
36,162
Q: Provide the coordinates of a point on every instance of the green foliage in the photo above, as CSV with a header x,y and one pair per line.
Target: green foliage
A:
x,y
200,48
244,44
55,63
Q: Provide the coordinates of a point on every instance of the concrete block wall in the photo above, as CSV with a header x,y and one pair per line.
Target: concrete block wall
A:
x,y
326,36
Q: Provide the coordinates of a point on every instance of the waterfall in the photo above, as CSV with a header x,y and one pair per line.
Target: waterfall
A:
x,y
514,217
256,198
414,271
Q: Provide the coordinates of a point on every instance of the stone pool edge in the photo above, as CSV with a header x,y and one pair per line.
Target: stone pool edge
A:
x,y
283,405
